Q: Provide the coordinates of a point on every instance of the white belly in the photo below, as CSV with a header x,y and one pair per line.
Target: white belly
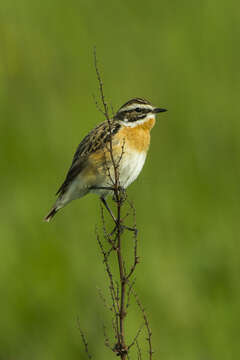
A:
x,y
130,167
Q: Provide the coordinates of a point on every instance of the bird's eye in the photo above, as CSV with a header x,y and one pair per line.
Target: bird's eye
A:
x,y
138,110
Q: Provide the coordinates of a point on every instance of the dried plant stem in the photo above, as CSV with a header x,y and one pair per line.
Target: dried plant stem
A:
x,y
121,347
122,289
122,312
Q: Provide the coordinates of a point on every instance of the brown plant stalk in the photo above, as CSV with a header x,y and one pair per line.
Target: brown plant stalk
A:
x,y
121,289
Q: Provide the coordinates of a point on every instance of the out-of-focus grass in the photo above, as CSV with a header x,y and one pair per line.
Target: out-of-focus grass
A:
x,y
181,55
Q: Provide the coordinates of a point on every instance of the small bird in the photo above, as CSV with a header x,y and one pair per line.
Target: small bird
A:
x,y
92,168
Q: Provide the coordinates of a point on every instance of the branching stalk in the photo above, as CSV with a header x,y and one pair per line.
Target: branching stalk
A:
x,y
122,288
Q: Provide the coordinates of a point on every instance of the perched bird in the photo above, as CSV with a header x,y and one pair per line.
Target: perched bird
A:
x,y
92,169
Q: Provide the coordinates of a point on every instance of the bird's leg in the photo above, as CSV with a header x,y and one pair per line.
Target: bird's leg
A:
x,y
108,209
115,220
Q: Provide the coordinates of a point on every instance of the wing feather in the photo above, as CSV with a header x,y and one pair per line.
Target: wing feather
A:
x,y
93,141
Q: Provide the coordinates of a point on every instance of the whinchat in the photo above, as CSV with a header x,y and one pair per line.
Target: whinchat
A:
x,y
92,168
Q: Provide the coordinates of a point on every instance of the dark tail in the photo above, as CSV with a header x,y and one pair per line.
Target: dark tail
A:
x,y
51,214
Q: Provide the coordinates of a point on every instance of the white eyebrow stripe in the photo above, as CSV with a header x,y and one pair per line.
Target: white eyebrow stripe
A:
x,y
134,106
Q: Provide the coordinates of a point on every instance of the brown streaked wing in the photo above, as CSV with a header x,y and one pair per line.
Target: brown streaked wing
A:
x,y
95,140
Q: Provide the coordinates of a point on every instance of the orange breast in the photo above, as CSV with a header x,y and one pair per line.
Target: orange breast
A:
x,y
137,137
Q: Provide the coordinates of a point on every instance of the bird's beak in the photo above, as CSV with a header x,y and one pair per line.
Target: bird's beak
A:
x,y
158,110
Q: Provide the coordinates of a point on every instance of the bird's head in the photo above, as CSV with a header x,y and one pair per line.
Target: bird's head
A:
x,y
136,111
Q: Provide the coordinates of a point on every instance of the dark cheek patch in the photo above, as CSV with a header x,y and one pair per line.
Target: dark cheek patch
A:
x,y
121,115
132,115
136,117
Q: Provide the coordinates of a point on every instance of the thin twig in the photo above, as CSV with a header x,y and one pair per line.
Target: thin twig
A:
x,y
121,155
97,105
84,340
104,300
136,336
139,352
106,338
107,236
100,84
149,332
130,288
109,272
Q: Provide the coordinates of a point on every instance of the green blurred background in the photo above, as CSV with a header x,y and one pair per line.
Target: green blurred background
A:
x,y
182,55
